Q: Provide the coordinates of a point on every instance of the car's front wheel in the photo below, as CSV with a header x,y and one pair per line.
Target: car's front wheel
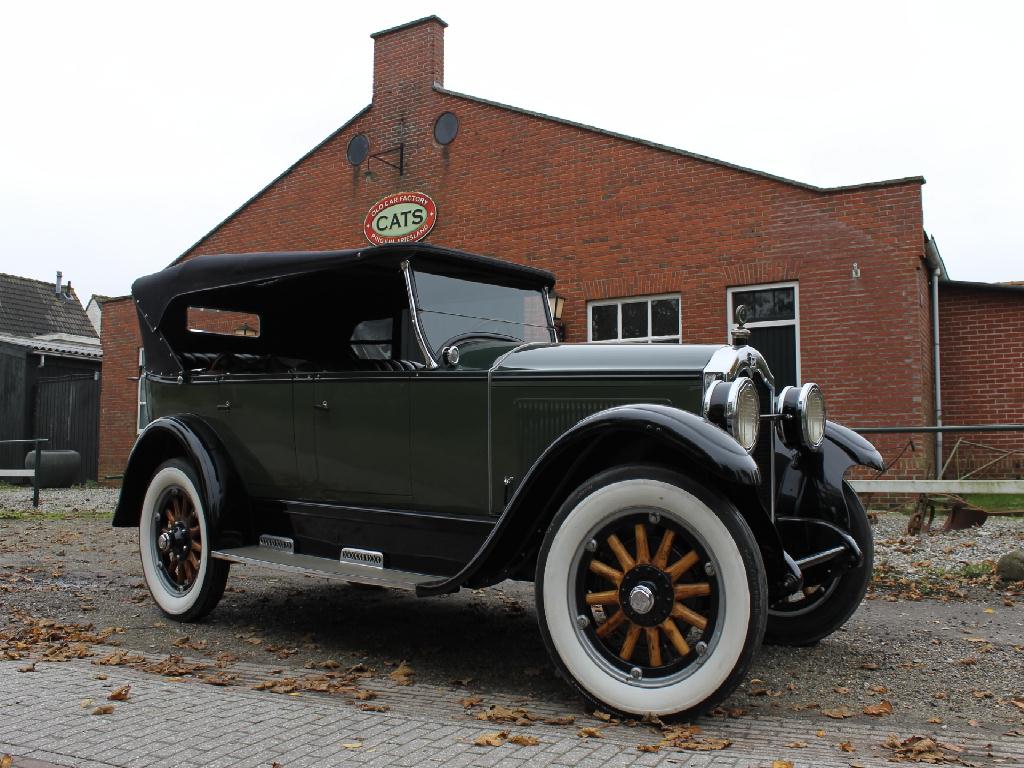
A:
x,y
818,610
650,592
174,542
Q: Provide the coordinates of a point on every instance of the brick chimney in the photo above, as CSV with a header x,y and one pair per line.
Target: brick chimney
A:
x,y
408,58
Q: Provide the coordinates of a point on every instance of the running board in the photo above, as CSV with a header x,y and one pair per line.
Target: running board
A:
x,y
322,566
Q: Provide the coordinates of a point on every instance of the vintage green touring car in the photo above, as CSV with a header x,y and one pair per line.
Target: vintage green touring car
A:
x,y
404,416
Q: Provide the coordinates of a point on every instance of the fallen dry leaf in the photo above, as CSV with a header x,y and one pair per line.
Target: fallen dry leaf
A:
x,y
841,690
648,747
561,720
704,744
781,764
105,709
402,675
589,733
470,701
352,745
869,665
375,708
878,710
921,749
846,746
119,694
28,668
603,716
219,679
524,741
879,689
837,714
820,733
502,714
495,739
6,761
796,745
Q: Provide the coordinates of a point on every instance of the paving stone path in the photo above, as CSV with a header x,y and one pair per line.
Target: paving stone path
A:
x,y
46,720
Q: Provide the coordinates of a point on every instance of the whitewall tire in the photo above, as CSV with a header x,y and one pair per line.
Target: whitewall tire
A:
x,y
174,543
650,593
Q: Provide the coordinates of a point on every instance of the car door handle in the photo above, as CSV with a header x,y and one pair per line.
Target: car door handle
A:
x,y
225,406
322,406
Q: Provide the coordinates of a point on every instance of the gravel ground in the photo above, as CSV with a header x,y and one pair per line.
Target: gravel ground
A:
x,y
938,638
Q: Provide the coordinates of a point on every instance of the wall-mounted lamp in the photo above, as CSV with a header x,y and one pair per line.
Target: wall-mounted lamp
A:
x,y
855,272
557,305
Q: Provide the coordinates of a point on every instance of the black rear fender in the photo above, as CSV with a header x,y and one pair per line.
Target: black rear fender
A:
x,y
186,437
629,434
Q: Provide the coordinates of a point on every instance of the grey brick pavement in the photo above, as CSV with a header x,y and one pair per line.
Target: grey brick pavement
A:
x,y
183,724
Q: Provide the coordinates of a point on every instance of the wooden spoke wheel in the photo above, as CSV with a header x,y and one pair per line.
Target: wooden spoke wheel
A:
x,y
648,591
651,593
174,542
179,538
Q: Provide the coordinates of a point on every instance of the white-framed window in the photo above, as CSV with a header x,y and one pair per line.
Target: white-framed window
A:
x,y
643,319
142,412
773,317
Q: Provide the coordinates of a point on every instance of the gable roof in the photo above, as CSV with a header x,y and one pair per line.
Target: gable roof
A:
x,y
642,142
30,308
675,151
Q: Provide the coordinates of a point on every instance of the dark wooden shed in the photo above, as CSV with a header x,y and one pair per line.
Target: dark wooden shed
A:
x,y
50,361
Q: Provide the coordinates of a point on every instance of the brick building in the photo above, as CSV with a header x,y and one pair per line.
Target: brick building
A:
x,y
645,240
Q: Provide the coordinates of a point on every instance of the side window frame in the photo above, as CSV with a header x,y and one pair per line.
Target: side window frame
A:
x,y
650,338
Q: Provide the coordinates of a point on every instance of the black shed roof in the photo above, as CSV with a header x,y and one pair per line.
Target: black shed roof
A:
x,y
30,308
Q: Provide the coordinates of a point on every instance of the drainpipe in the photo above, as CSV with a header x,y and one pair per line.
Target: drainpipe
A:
x,y
934,261
938,373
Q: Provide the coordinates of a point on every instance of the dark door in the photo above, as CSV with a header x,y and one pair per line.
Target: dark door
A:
x,y
778,345
67,414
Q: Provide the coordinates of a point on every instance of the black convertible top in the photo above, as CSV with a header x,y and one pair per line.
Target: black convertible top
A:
x,y
299,297
153,293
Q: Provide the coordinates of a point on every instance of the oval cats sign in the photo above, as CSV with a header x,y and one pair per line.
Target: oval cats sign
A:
x,y
403,217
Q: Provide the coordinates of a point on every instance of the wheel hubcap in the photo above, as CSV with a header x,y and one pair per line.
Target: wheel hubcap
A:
x,y
641,598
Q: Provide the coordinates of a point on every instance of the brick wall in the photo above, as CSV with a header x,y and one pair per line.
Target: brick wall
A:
x,y
613,217
118,384
982,356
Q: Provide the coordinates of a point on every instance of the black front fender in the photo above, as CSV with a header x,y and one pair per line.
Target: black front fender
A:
x,y
183,436
684,440
811,482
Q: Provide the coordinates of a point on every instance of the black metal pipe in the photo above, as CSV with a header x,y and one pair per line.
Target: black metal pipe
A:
x,y
944,428
35,475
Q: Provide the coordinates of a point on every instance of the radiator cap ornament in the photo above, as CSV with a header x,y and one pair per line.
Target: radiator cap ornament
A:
x,y
740,335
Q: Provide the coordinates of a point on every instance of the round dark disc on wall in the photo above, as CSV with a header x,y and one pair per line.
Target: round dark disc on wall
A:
x,y
446,128
358,148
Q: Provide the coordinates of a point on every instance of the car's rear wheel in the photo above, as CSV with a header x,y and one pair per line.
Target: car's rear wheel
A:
x,y
650,593
174,542
818,610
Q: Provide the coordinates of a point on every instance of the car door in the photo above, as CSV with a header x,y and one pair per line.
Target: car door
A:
x,y
361,435
450,449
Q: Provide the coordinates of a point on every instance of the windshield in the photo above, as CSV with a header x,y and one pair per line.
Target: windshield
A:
x,y
451,309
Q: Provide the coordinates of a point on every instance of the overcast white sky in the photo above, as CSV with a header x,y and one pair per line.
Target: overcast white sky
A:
x,y
129,130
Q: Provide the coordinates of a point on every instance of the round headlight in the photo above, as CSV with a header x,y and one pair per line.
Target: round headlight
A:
x,y
735,408
803,411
